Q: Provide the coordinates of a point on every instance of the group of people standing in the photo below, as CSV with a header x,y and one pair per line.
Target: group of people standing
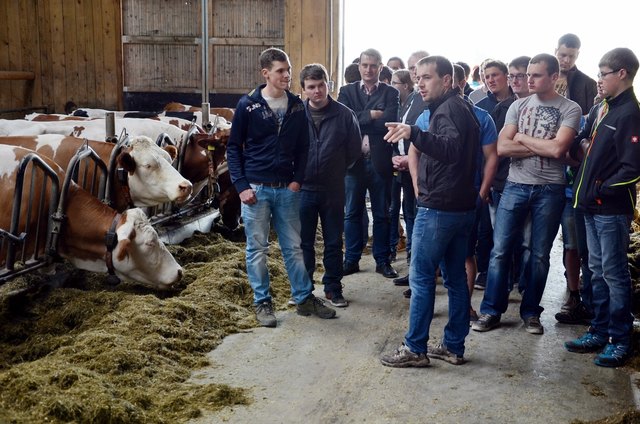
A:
x,y
496,178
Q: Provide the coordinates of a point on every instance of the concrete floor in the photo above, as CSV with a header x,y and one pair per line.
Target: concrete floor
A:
x,y
309,370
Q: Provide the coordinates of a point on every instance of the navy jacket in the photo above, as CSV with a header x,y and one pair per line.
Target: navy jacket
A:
x,y
261,151
385,98
333,147
606,181
447,169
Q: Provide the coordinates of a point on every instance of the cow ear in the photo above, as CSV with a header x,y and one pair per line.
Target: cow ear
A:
x,y
173,152
127,161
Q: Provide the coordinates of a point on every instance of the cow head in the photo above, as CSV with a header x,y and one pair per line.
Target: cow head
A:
x,y
152,179
141,256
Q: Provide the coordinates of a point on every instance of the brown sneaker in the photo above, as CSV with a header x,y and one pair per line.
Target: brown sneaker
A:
x,y
404,358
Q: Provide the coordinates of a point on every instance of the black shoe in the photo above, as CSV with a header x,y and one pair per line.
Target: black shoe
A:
x,y
481,281
407,293
349,268
574,314
392,258
402,281
386,270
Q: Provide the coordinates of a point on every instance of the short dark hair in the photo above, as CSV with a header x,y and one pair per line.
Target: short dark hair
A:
x,y
465,66
372,53
443,65
385,73
493,63
352,73
313,71
398,59
270,55
553,66
569,40
621,58
520,62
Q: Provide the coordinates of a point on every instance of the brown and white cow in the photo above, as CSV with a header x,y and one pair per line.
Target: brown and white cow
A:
x,y
138,255
151,179
222,112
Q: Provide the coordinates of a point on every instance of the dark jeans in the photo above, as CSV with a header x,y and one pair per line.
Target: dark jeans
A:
x,y
360,177
329,207
402,188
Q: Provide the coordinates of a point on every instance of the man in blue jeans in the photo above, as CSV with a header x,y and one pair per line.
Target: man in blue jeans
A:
x,y
267,155
605,190
446,212
334,145
374,103
538,131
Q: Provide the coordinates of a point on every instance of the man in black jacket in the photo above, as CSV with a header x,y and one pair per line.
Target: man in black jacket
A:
x,y
446,212
334,145
605,189
374,103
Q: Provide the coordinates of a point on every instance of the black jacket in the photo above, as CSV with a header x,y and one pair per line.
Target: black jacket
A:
x,y
261,151
606,180
333,147
385,98
447,168
499,114
581,89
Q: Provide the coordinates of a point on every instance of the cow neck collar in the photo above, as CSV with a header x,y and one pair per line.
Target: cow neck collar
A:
x,y
213,186
111,241
123,178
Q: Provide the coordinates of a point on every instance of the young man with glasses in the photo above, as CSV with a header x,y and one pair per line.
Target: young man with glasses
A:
x,y
605,190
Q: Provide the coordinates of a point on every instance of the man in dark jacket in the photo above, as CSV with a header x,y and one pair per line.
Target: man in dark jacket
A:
x,y
374,103
605,189
334,145
267,154
446,211
573,83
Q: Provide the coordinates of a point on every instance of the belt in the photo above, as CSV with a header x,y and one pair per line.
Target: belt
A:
x,y
273,185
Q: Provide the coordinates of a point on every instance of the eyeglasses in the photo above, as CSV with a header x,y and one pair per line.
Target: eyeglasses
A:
x,y
601,75
520,77
396,82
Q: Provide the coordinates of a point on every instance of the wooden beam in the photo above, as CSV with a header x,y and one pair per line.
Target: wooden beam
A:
x,y
17,75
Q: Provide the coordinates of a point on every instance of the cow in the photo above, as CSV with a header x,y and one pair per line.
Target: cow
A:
x,y
181,123
151,180
94,129
135,253
221,112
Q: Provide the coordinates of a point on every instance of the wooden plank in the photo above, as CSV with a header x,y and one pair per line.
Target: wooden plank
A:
x,y
112,47
30,51
58,56
15,52
88,57
141,39
98,56
17,75
46,64
5,86
293,38
70,46
247,41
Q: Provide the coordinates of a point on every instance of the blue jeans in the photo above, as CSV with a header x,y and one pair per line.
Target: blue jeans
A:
x,y
401,188
282,205
359,178
329,207
608,241
545,204
439,238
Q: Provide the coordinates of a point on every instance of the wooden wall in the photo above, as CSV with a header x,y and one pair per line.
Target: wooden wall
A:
x,y
91,51
72,47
